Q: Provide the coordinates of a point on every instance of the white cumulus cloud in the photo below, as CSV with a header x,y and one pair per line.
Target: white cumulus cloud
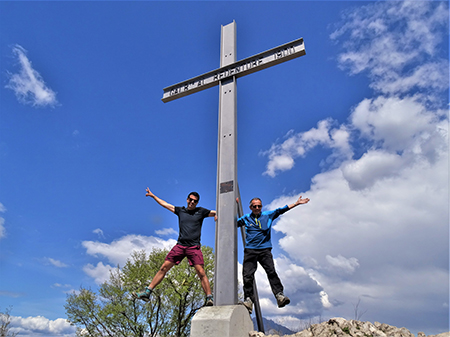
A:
x,y
100,273
397,123
41,326
117,252
282,155
55,262
385,39
166,231
347,265
99,232
378,225
28,84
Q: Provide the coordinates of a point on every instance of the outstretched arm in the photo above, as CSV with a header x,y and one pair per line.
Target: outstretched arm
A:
x,y
299,201
163,203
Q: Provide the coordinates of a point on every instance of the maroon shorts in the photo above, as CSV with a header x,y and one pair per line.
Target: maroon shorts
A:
x,y
178,253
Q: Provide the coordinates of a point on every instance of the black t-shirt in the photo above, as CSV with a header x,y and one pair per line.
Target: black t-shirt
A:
x,y
190,225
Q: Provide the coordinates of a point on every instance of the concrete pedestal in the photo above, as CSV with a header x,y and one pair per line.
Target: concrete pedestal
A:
x,y
222,321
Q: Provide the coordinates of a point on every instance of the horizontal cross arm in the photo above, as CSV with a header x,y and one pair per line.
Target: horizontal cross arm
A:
x,y
269,58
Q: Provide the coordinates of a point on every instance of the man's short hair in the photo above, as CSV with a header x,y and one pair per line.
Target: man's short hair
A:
x,y
255,199
195,194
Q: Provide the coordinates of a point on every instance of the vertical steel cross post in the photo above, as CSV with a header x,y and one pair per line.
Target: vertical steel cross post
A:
x,y
225,277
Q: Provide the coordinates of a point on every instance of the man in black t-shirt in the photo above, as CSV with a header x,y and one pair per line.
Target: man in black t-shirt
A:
x,y
190,220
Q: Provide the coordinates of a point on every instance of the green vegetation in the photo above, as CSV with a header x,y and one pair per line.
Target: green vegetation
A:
x,y
112,312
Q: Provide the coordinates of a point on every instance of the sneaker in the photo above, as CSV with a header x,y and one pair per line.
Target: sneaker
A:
x,y
145,295
209,301
248,304
282,300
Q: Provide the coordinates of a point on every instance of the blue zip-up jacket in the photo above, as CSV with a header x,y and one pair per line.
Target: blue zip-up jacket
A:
x,y
257,230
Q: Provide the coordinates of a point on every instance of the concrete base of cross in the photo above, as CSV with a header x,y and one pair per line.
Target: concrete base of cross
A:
x,y
223,321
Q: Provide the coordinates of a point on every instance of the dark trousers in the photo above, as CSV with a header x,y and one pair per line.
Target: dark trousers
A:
x,y
265,259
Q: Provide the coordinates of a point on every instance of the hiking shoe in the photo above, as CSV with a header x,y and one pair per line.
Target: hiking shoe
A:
x,y
145,295
282,300
248,304
209,301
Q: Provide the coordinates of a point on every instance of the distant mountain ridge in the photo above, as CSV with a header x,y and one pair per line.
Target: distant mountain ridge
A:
x,y
271,328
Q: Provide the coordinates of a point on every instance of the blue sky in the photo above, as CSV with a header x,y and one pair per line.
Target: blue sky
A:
x,y
359,125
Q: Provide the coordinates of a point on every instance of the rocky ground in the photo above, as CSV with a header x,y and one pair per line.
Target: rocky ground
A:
x,y
340,327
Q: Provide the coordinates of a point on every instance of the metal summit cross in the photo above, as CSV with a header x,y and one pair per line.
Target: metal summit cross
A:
x,y
225,279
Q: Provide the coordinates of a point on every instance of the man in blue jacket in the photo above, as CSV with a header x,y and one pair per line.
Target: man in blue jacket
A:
x,y
258,248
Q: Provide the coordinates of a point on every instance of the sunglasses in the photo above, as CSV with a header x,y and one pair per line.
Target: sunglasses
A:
x,y
256,206
193,200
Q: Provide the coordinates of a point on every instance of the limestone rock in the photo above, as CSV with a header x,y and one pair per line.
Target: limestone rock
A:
x,y
444,334
340,327
256,334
